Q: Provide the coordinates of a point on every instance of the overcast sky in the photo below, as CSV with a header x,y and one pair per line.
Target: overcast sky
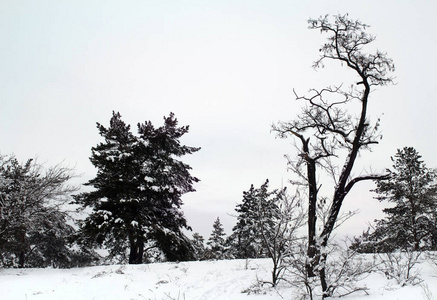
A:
x,y
226,68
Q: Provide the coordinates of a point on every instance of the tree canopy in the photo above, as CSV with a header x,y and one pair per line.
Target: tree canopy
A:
x,y
411,222
258,206
33,222
138,188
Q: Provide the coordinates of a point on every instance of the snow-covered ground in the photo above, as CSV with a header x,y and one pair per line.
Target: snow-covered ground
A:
x,y
185,281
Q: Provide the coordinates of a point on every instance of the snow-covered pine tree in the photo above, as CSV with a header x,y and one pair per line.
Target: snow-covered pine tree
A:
x,y
412,188
246,238
111,201
216,242
138,189
267,225
198,243
166,179
243,238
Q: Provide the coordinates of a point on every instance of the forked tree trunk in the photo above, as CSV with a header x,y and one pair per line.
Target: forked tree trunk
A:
x,y
332,128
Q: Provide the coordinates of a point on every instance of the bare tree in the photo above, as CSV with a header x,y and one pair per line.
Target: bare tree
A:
x,y
32,214
328,127
279,231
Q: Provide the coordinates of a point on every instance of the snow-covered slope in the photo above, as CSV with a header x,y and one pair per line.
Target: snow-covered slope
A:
x,y
186,280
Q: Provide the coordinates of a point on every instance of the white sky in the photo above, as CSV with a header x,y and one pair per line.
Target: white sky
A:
x,y
226,68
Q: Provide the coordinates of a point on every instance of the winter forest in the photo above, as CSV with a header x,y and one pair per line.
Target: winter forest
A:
x,y
132,211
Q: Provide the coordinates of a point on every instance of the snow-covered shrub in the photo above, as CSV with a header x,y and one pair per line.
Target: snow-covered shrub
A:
x,y
279,232
345,269
400,265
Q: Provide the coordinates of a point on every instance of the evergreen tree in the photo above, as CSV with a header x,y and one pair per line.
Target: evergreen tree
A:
x,y
199,246
138,189
267,225
257,204
174,245
216,242
33,229
412,188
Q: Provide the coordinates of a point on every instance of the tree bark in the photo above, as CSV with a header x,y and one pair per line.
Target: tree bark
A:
x,y
343,187
323,281
22,253
312,217
136,251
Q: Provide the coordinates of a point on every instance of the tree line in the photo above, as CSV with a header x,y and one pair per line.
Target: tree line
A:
x,y
134,209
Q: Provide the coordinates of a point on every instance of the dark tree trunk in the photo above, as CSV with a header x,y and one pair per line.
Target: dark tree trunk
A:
x,y
132,253
21,259
22,252
416,239
140,252
312,217
323,282
136,251
343,186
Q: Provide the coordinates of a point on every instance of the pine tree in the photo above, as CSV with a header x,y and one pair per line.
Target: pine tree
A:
x,y
412,188
199,246
138,189
267,225
246,235
216,242
245,238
